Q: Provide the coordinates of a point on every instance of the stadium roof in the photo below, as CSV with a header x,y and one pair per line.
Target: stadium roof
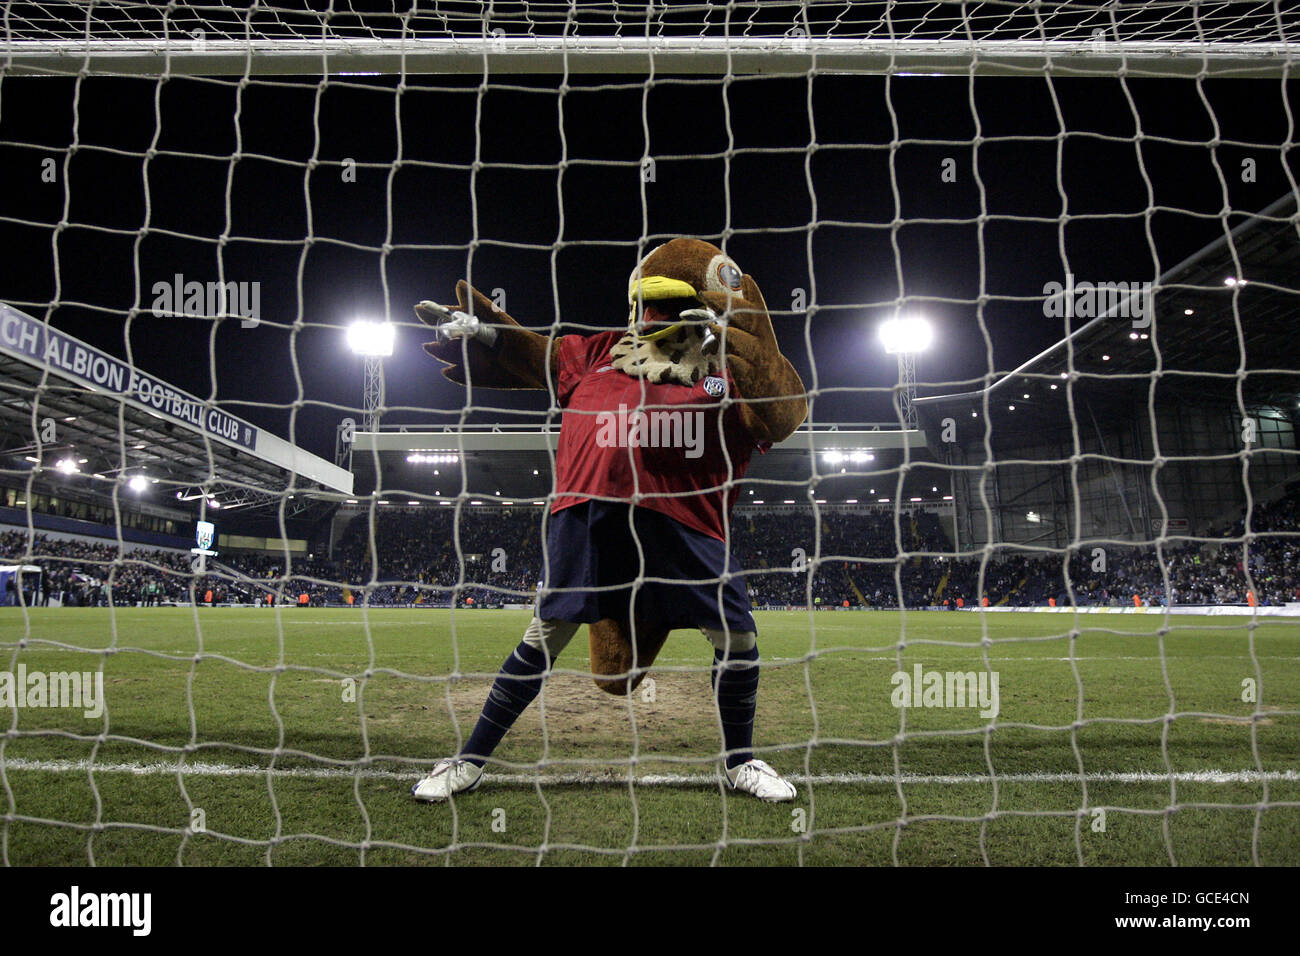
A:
x,y
516,461
1226,314
113,421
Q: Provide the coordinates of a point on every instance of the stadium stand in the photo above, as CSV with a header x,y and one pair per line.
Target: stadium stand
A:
x,y
859,557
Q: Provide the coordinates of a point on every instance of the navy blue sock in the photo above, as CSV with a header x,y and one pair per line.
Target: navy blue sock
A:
x,y
735,685
514,689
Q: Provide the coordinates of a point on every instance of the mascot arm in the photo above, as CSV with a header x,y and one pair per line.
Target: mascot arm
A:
x,y
777,402
490,350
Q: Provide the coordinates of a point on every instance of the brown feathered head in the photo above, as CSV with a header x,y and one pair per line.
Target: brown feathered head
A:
x,y
669,281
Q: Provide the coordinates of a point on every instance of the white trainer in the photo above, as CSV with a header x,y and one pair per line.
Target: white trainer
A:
x,y
762,781
451,775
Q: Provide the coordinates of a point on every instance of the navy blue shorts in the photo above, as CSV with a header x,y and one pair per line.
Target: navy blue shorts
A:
x,y
590,546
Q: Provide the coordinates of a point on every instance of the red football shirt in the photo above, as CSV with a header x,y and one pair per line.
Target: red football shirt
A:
x,y
667,447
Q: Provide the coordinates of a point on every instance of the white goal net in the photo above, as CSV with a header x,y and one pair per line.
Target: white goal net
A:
x,y
1025,580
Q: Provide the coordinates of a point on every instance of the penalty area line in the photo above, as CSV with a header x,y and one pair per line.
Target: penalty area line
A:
x,y
203,769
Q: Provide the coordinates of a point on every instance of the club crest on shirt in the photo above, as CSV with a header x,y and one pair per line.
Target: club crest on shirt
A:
x,y
716,386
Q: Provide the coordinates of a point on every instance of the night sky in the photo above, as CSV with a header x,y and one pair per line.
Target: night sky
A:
x,y
796,176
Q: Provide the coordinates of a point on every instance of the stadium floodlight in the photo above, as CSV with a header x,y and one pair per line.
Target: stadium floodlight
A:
x,y
374,342
138,483
906,335
67,466
372,338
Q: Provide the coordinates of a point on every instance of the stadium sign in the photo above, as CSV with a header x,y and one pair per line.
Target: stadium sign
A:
x,y
204,534
23,335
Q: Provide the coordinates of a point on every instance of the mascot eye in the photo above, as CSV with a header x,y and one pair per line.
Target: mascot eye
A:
x,y
730,276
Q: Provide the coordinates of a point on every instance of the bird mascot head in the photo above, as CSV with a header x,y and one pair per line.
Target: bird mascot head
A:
x,y
674,294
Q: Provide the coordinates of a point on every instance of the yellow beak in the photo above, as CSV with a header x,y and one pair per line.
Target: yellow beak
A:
x,y
659,287
651,288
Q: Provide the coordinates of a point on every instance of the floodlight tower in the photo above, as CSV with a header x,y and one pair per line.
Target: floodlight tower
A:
x,y
373,341
907,337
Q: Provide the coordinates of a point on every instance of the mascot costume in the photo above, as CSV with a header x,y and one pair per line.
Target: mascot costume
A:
x,y
660,420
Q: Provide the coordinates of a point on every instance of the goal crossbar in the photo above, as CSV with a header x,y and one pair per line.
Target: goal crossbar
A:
x,y
185,56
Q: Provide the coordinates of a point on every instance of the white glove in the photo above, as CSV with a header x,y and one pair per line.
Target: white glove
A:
x,y
460,325
705,315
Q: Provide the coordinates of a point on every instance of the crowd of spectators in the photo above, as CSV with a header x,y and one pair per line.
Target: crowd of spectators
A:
x,y
493,556
480,557
81,571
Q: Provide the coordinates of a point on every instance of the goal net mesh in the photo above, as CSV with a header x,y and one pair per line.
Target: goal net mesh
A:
x,y
1081,199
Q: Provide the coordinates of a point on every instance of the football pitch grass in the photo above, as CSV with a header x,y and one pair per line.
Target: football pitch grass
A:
x,y
248,736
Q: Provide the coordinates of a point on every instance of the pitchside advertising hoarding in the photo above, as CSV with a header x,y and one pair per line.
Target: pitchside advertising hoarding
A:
x,y
20,334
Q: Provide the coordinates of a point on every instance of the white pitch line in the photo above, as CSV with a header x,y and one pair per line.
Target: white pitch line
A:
x,y
202,769
890,658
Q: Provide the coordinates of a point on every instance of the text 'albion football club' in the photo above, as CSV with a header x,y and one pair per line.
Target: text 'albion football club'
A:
x,y
24,334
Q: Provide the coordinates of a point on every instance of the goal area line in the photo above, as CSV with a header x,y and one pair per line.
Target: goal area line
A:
x,y
205,769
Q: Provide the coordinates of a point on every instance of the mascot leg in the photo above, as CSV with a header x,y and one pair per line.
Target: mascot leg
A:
x,y
612,659
517,685
735,687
